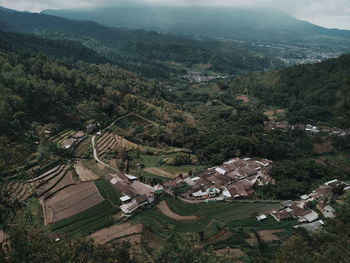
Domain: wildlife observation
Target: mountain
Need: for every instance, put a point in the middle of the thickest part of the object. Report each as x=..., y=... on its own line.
x=149, y=53
x=227, y=22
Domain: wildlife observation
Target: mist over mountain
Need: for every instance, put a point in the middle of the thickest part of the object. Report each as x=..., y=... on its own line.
x=226, y=22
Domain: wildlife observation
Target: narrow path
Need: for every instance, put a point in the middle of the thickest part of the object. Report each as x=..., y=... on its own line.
x=96, y=155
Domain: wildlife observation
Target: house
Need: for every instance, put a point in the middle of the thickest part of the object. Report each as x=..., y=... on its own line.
x=158, y=189
x=261, y=217
x=321, y=191
x=79, y=135
x=327, y=210
x=281, y=215
x=287, y=203
x=335, y=183
x=311, y=128
x=68, y=143
x=311, y=227
x=310, y=217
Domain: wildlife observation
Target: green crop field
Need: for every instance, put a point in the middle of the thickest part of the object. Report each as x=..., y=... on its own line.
x=100, y=209
x=107, y=191
x=222, y=211
x=268, y=224
x=161, y=224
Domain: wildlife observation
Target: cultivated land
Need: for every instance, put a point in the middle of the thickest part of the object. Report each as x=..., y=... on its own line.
x=114, y=232
x=84, y=173
x=70, y=201
x=163, y=207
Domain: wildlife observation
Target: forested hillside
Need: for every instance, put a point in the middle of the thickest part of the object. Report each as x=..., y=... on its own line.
x=311, y=93
x=148, y=53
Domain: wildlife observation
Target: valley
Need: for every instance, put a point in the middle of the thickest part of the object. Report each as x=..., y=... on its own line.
x=125, y=141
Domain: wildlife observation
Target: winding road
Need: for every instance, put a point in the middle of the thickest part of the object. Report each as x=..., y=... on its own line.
x=96, y=155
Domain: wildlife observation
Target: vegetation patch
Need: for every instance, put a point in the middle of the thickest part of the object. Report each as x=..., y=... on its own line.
x=108, y=191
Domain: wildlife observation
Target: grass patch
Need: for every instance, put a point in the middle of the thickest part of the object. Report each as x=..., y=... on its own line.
x=268, y=224
x=107, y=191
x=93, y=166
x=33, y=212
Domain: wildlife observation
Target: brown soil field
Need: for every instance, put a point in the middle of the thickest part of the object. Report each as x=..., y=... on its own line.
x=266, y=235
x=54, y=170
x=70, y=201
x=105, y=235
x=232, y=253
x=159, y=172
x=164, y=208
x=66, y=181
x=52, y=182
x=243, y=98
x=84, y=173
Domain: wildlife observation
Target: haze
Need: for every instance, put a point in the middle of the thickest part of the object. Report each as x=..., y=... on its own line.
x=326, y=13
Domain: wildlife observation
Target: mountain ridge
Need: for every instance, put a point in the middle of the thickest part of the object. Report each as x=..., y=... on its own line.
x=244, y=23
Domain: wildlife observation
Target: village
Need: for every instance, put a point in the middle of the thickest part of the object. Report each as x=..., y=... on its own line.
x=309, y=128
x=234, y=179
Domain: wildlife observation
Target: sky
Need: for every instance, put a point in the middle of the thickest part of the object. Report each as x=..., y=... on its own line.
x=327, y=13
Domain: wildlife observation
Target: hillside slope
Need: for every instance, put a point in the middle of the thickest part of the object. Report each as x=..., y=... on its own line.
x=148, y=53
x=311, y=93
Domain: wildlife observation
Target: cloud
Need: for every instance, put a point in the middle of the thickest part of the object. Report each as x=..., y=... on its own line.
x=329, y=13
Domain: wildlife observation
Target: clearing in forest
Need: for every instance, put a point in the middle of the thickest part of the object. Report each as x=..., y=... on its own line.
x=265, y=235
x=163, y=207
x=243, y=98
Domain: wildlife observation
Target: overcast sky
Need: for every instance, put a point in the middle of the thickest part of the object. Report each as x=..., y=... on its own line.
x=327, y=13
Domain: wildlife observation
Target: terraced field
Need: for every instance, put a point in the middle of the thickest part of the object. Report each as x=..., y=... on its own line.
x=134, y=125
x=110, y=141
x=60, y=137
x=20, y=190
x=84, y=149
x=114, y=232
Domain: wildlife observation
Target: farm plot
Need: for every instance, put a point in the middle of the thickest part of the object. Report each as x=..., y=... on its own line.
x=105, y=235
x=60, y=137
x=83, y=149
x=134, y=125
x=108, y=191
x=163, y=207
x=20, y=191
x=161, y=224
x=70, y=201
x=221, y=211
x=84, y=173
x=110, y=141
x=53, y=182
x=86, y=222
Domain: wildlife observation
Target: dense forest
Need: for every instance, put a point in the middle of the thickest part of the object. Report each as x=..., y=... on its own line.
x=311, y=93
